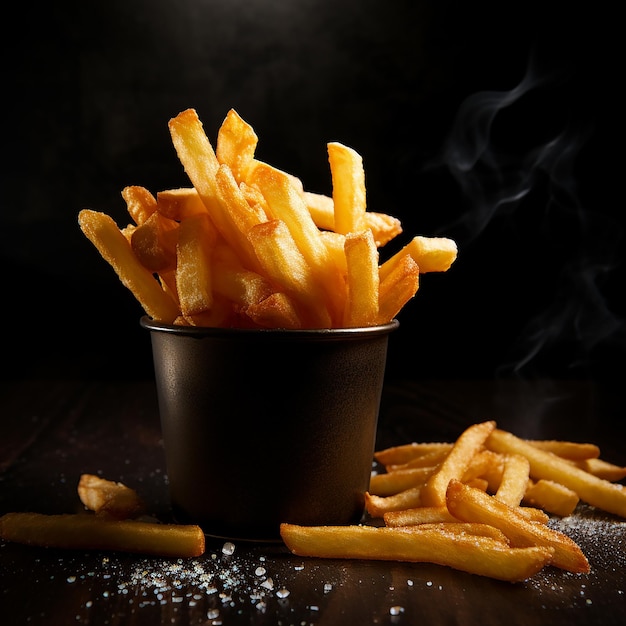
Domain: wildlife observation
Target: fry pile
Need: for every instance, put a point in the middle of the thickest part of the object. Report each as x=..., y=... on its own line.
x=247, y=246
x=480, y=505
x=111, y=524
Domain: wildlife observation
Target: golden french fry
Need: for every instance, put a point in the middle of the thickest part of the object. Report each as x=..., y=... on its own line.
x=92, y=532
x=154, y=243
x=242, y=214
x=456, y=462
x=109, y=498
x=362, y=279
x=285, y=203
x=193, y=267
x=598, y=492
x=425, y=543
x=230, y=279
x=432, y=254
x=236, y=145
x=177, y=204
x=140, y=203
x=391, y=483
x=397, y=288
x=377, y=506
x=429, y=459
x=398, y=455
x=197, y=156
x=567, y=449
x=348, y=179
x=473, y=505
x=275, y=311
x=335, y=244
x=418, y=515
x=488, y=465
x=114, y=248
x=551, y=497
x=602, y=469
x=284, y=264
x=384, y=227
x=514, y=482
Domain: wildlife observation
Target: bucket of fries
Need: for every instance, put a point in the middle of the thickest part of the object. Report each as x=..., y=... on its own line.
x=269, y=310
x=263, y=426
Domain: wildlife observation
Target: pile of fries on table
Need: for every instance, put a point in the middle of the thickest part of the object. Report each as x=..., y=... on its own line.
x=480, y=504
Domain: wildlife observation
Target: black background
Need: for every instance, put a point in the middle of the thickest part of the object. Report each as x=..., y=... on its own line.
x=498, y=124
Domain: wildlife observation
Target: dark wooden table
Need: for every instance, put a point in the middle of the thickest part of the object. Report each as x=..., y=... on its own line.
x=53, y=431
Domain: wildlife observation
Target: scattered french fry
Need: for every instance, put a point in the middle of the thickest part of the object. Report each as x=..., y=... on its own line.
x=472, y=505
x=552, y=497
x=455, y=464
x=92, y=532
x=605, y=495
x=428, y=543
x=109, y=498
x=489, y=495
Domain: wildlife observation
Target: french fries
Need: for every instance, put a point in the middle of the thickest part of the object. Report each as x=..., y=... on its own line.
x=488, y=487
x=110, y=525
x=90, y=532
x=425, y=544
x=109, y=498
x=317, y=255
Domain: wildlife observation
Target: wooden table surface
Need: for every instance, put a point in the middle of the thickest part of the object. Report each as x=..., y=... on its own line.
x=53, y=431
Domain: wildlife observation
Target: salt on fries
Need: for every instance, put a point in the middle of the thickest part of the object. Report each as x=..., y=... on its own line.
x=247, y=245
x=436, y=501
x=111, y=527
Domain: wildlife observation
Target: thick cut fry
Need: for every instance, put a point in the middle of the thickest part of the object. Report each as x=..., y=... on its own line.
x=454, y=465
x=432, y=254
x=140, y=203
x=473, y=505
x=322, y=209
x=114, y=248
x=397, y=455
x=567, y=449
x=419, y=515
x=91, y=532
x=605, y=495
x=427, y=543
x=397, y=288
x=284, y=264
x=362, y=279
x=377, y=506
x=275, y=311
x=242, y=214
x=391, y=483
x=230, y=279
x=177, y=204
x=551, y=497
x=154, y=243
x=285, y=203
x=429, y=459
x=514, y=481
x=193, y=268
x=602, y=469
x=236, y=145
x=348, y=178
x=197, y=156
x=109, y=498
